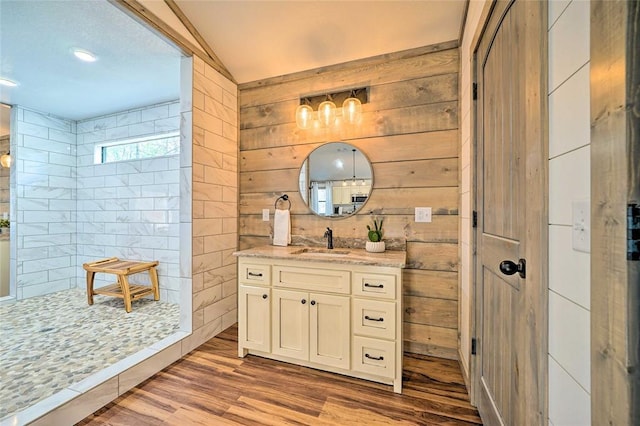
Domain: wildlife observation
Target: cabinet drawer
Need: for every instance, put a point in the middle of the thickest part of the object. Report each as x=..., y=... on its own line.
x=374, y=285
x=374, y=356
x=249, y=273
x=312, y=279
x=374, y=318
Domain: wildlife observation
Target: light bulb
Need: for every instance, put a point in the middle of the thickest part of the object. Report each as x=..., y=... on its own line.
x=327, y=113
x=351, y=110
x=6, y=160
x=304, y=116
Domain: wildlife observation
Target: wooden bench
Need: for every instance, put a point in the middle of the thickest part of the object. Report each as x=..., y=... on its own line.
x=122, y=289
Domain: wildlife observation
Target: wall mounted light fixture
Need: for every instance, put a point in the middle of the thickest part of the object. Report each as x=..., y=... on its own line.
x=327, y=112
x=6, y=160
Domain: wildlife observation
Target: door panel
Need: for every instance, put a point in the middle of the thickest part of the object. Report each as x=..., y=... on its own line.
x=510, y=369
x=254, y=309
x=329, y=330
x=290, y=324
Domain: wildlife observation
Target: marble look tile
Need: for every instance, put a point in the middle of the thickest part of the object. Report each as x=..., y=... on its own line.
x=155, y=113
x=149, y=367
x=128, y=118
x=117, y=133
x=144, y=128
x=167, y=124
x=83, y=405
x=46, y=120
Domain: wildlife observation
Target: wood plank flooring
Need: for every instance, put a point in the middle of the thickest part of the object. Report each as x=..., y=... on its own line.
x=212, y=386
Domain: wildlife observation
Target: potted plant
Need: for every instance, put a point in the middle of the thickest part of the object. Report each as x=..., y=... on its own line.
x=375, y=243
x=4, y=226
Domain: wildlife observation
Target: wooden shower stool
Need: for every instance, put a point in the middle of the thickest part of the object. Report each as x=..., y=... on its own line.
x=122, y=289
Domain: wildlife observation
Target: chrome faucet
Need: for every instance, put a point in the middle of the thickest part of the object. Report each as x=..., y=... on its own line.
x=329, y=236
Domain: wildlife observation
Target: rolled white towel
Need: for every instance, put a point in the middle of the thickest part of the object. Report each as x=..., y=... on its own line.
x=281, y=228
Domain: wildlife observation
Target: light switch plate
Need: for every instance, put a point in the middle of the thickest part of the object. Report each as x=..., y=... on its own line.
x=423, y=214
x=581, y=226
x=265, y=215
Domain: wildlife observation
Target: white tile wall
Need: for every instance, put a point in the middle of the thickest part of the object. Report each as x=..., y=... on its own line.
x=129, y=209
x=43, y=242
x=71, y=210
x=569, y=180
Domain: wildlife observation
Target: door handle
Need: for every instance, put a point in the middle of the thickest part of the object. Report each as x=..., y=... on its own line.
x=508, y=267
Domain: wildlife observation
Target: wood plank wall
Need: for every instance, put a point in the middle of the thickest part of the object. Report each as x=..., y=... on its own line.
x=409, y=131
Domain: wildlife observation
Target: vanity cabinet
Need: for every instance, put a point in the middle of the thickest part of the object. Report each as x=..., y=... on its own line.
x=311, y=327
x=331, y=314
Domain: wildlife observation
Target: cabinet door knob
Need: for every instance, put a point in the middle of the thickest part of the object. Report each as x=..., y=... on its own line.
x=313, y=302
x=303, y=301
x=264, y=296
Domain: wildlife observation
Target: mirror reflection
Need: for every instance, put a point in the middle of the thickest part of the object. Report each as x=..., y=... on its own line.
x=336, y=180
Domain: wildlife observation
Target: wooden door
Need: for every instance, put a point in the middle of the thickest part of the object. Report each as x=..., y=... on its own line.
x=290, y=323
x=510, y=369
x=329, y=330
x=253, y=309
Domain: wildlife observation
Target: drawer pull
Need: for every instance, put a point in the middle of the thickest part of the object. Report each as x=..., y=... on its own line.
x=374, y=285
x=303, y=301
x=380, y=358
x=264, y=296
x=313, y=302
x=367, y=317
x=253, y=274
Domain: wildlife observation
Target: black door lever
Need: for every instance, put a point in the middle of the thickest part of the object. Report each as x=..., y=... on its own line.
x=508, y=267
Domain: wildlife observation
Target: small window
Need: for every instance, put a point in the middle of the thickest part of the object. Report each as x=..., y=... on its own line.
x=138, y=148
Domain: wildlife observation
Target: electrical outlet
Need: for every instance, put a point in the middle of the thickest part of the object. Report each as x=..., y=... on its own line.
x=265, y=215
x=423, y=214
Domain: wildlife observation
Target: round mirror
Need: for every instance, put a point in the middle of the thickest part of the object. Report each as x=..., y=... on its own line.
x=336, y=180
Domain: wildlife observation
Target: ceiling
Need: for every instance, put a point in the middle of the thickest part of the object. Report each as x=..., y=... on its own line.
x=261, y=39
x=253, y=39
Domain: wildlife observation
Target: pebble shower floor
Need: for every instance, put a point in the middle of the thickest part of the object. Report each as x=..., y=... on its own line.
x=50, y=342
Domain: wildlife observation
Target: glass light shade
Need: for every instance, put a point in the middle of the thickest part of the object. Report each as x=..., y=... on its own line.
x=327, y=113
x=304, y=117
x=6, y=160
x=351, y=110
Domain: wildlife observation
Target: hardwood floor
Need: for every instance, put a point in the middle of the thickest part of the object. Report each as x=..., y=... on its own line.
x=212, y=386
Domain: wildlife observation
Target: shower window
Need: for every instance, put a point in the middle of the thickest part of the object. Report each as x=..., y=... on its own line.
x=138, y=148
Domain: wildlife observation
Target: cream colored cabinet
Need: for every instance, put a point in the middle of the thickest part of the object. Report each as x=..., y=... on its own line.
x=290, y=323
x=311, y=326
x=341, y=194
x=340, y=317
x=254, y=310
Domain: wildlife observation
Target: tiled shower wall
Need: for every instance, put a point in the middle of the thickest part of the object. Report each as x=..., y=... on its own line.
x=130, y=209
x=69, y=210
x=43, y=210
x=4, y=177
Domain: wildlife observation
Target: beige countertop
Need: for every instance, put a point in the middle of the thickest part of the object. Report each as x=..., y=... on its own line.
x=392, y=258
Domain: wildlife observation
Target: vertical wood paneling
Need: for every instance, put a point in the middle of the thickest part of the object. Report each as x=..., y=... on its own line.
x=409, y=132
x=615, y=183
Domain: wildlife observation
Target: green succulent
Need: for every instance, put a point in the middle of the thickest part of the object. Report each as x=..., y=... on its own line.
x=375, y=234
x=4, y=223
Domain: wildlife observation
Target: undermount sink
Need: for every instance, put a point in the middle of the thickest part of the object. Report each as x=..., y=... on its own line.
x=322, y=252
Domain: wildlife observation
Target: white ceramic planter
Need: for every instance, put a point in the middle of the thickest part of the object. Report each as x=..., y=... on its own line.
x=377, y=247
